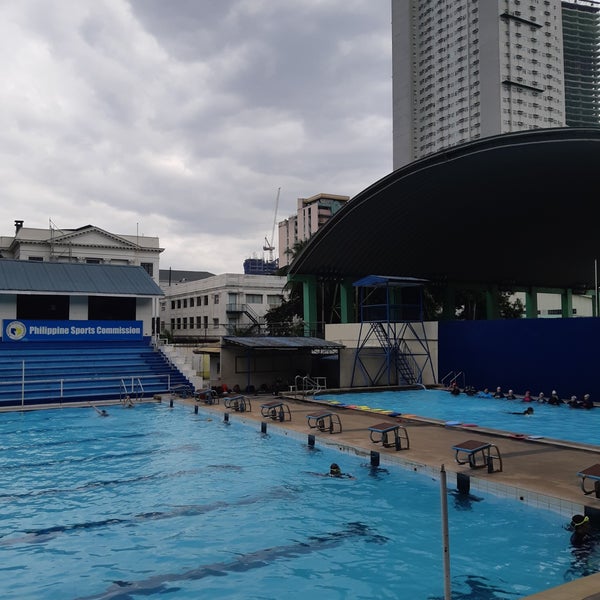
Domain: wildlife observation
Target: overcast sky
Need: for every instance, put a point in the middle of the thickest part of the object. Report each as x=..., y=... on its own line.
x=182, y=118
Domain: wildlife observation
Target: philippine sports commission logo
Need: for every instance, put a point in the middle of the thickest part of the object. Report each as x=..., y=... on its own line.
x=16, y=330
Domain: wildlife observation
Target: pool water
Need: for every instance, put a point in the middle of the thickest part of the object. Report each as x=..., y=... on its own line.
x=557, y=422
x=160, y=502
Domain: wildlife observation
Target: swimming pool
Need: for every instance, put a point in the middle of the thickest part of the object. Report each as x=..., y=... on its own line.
x=558, y=422
x=161, y=502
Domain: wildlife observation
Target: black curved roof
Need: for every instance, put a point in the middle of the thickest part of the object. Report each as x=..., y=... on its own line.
x=516, y=210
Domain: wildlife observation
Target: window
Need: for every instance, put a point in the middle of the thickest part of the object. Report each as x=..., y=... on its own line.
x=185, y=303
x=184, y=322
x=198, y=322
x=216, y=298
x=254, y=298
x=93, y=261
x=274, y=299
x=149, y=268
x=205, y=322
x=36, y=258
x=179, y=303
x=172, y=304
x=192, y=302
x=205, y=300
x=216, y=323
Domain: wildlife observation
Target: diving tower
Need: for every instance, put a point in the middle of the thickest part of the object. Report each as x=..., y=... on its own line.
x=392, y=347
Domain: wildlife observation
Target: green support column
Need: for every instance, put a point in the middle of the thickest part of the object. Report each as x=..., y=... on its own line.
x=491, y=303
x=566, y=303
x=449, y=308
x=309, y=297
x=346, y=301
x=531, y=303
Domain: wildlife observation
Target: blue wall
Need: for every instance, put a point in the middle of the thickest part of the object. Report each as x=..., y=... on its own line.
x=539, y=355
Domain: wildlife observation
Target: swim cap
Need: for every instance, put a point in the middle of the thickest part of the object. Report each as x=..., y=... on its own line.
x=578, y=520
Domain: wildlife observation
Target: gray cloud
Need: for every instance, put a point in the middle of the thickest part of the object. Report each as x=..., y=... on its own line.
x=181, y=119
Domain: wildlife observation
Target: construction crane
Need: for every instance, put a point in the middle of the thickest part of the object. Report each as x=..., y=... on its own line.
x=269, y=247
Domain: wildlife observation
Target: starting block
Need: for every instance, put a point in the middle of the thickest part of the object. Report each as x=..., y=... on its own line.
x=592, y=473
x=389, y=435
x=238, y=403
x=478, y=454
x=325, y=421
x=276, y=410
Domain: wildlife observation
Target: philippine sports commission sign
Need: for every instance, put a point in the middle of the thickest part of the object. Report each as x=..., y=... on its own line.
x=60, y=331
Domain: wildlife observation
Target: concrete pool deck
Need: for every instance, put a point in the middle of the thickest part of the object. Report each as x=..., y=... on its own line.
x=540, y=472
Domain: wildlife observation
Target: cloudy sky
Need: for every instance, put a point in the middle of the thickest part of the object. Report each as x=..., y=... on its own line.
x=182, y=118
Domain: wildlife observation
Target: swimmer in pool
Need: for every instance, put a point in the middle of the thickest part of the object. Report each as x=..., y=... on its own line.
x=101, y=412
x=528, y=411
x=335, y=471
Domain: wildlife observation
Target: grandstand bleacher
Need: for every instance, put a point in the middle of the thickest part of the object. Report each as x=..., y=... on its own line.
x=50, y=373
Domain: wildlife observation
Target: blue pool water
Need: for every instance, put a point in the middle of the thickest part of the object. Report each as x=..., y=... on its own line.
x=160, y=502
x=558, y=422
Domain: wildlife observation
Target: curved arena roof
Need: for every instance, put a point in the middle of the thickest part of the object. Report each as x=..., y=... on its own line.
x=516, y=210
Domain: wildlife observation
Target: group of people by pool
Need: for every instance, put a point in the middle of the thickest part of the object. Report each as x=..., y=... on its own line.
x=554, y=399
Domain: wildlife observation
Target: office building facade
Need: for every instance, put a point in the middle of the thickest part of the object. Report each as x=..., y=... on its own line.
x=467, y=69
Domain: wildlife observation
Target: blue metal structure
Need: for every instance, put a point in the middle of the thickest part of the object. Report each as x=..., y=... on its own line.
x=392, y=347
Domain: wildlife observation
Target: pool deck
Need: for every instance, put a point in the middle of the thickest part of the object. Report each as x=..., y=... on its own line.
x=541, y=472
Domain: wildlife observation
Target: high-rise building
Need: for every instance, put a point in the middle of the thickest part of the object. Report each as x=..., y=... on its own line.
x=581, y=48
x=467, y=69
x=312, y=213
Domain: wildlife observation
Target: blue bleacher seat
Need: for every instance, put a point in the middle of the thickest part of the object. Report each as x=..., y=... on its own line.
x=34, y=373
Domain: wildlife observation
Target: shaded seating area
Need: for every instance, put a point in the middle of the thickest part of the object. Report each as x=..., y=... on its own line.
x=592, y=473
x=38, y=373
x=390, y=435
x=276, y=410
x=478, y=454
x=325, y=421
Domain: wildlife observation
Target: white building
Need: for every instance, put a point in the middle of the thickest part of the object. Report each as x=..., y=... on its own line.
x=87, y=244
x=227, y=304
x=466, y=69
x=312, y=213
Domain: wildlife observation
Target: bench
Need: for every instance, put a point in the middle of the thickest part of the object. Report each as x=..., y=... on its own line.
x=390, y=435
x=478, y=454
x=276, y=410
x=592, y=473
x=325, y=421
